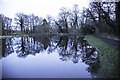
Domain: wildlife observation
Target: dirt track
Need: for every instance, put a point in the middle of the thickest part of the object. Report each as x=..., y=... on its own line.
x=110, y=41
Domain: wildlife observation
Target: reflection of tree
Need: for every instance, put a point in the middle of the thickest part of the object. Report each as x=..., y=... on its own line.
x=30, y=45
x=45, y=41
x=68, y=49
x=7, y=47
x=71, y=48
x=63, y=45
x=74, y=48
x=26, y=46
x=91, y=58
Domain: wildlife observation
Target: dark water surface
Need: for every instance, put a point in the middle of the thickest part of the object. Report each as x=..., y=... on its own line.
x=48, y=57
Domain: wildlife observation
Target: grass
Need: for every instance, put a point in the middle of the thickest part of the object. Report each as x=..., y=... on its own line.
x=108, y=57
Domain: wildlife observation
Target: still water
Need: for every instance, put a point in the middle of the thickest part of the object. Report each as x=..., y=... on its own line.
x=48, y=57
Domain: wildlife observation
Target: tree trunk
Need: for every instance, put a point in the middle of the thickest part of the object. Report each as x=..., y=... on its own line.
x=99, y=13
x=118, y=17
x=0, y=26
x=96, y=23
x=66, y=25
x=60, y=28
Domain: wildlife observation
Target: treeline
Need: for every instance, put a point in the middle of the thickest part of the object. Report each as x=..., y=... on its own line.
x=104, y=17
x=27, y=22
x=6, y=25
x=100, y=17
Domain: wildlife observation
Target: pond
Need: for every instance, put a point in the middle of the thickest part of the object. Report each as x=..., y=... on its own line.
x=49, y=57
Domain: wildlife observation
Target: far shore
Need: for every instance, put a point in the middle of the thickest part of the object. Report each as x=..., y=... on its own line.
x=34, y=34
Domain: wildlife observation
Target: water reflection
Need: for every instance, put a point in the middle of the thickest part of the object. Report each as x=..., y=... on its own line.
x=7, y=47
x=69, y=48
x=0, y=59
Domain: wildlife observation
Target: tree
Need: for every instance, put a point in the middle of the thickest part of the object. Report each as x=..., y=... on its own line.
x=50, y=19
x=100, y=15
x=20, y=20
x=6, y=24
x=63, y=18
x=75, y=15
x=59, y=25
x=117, y=11
x=27, y=23
x=34, y=21
x=1, y=26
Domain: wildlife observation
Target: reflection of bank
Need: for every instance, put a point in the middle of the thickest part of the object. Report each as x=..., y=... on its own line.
x=0, y=58
x=0, y=48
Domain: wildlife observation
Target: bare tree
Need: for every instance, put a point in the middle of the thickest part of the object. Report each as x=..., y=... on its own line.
x=100, y=15
x=63, y=17
x=75, y=14
x=6, y=24
x=117, y=11
x=19, y=19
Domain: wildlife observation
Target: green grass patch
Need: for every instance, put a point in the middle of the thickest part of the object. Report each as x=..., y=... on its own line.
x=101, y=46
x=108, y=57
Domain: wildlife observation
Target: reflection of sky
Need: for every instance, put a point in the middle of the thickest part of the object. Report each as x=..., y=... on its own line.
x=0, y=58
x=42, y=66
x=0, y=68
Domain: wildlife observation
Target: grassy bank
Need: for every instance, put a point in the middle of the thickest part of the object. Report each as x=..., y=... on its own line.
x=108, y=57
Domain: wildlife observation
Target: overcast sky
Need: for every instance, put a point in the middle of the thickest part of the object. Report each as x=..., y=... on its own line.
x=39, y=7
